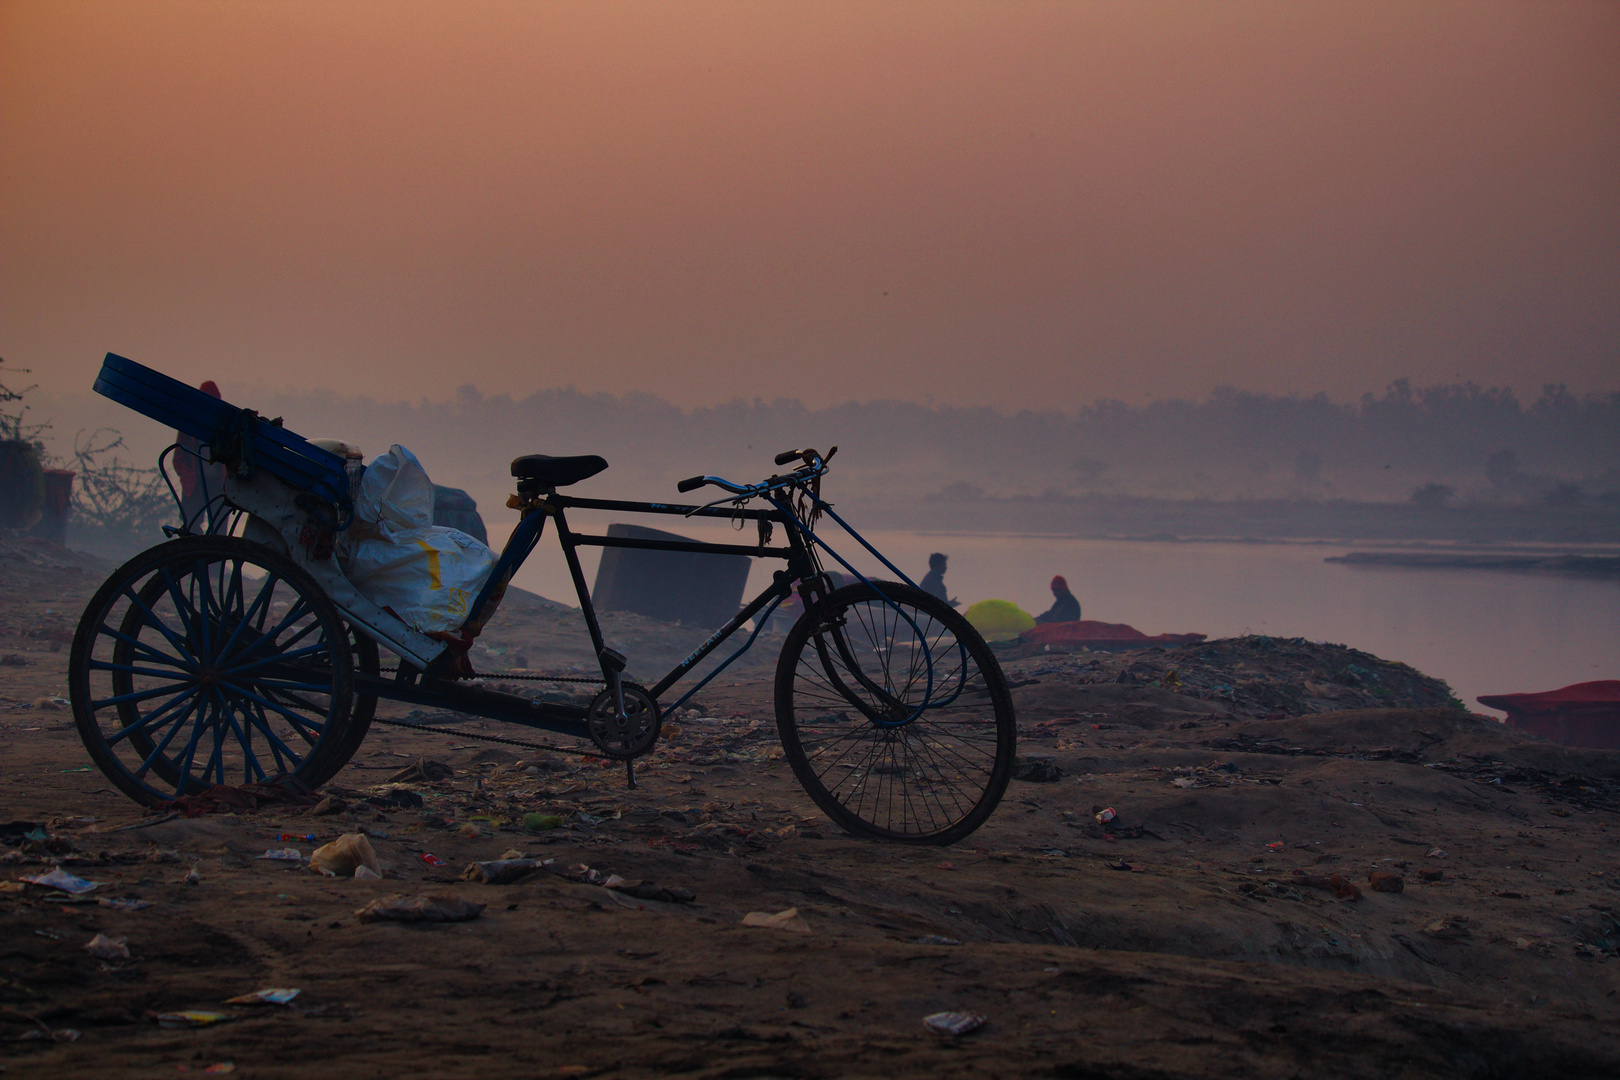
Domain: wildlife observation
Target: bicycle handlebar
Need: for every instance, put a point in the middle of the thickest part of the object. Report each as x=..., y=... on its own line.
x=814, y=466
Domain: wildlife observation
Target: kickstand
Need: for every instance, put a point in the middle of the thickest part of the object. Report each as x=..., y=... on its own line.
x=630, y=771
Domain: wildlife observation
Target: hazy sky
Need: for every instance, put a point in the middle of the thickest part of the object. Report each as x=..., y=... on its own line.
x=1016, y=204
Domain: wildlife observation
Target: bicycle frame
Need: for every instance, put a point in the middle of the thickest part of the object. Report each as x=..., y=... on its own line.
x=801, y=572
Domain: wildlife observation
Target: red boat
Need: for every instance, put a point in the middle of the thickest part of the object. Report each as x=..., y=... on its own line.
x=1585, y=714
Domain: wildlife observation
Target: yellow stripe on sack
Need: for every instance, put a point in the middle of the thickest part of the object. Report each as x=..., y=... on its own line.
x=433, y=563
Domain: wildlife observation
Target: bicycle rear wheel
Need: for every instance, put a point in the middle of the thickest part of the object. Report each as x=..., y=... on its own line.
x=211, y=660
x=894, y=715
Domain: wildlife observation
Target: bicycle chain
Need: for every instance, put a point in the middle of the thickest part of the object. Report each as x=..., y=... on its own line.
x=498, y=738
x=490, y=738
x=514, y=678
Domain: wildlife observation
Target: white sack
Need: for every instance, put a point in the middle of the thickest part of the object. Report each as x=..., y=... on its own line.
x=426, y=574
x=395, y=492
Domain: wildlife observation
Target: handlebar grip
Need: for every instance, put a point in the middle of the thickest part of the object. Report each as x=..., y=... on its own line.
x=691, y=483
x=786, y=456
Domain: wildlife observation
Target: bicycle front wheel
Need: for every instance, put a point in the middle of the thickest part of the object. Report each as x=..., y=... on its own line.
x=894, y=715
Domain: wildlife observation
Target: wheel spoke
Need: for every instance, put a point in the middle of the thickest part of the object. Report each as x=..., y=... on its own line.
x=281, y=751
x=302, y=723
x=270, y=661
x=261, y=600
x=138, y=695
x=158, y=624
x=146, y=652
x=150, y=720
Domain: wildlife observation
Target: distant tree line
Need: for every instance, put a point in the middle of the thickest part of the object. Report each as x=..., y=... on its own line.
x=1430, y=442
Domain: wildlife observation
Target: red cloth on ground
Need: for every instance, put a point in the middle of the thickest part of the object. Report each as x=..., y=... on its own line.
x=1101, y=635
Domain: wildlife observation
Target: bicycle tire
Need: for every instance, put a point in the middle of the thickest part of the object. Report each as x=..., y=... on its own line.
x=216, y=644
x=365, y=658
x=894, y=715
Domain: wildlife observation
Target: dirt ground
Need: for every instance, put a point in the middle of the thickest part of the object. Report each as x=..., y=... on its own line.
x=1190, y=936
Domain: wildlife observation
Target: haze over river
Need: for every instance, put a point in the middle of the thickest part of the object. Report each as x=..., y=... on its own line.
x=1484, y=632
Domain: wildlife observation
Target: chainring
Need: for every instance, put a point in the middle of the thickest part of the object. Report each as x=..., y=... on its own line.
x=627, y=737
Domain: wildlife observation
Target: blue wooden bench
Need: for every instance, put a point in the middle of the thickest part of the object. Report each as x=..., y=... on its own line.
x=240, y=438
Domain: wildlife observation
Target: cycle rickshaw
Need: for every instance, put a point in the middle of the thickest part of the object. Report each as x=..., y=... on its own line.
x=239, y=651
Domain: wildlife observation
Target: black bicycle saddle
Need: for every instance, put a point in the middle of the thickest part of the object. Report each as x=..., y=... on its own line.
x=555, y=472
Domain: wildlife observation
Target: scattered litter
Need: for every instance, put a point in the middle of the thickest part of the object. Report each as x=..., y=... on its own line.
x=366, y=873
x=1384, y=881
x=1450, y=928
x=61, y=879
x=1340, y=886
x=789, y=920
x=432, y=859
x=947, y=865
x=937, y=939
x=402, y=798
x=308, y=838
x=289, y=854
x=331, y=804
x=953, y=1023
x=1039, y=771
x=422, y=771
x=400, y=908
x=500, y=871
x=124, y=903
x=345, y=857
x=192, y=877
x=284, y=790
x=103, y=947
x=1435, y=853
x=648, y=890
x=1105, y=814
x=272, y=996
x=542, y=822
x=192, y=1018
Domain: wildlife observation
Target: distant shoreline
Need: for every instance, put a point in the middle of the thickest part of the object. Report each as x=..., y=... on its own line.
x=1584, y=565
x=1342, y=521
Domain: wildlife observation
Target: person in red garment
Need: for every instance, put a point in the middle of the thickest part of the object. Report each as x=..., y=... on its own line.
x=200, y=482
x=1065, y=608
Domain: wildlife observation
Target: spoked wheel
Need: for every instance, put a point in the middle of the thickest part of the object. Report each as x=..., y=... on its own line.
x=211, y=660
x=364, y=655
x=895, y=715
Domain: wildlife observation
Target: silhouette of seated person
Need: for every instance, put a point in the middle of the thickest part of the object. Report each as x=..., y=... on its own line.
x=933, y=582
x=1065, y=608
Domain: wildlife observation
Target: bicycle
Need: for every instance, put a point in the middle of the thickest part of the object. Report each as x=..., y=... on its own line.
x=239, y=649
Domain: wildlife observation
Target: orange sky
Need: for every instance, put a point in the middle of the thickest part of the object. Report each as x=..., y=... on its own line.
x=1015, y=204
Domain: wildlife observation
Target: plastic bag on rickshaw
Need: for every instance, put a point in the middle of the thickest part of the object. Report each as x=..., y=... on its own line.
x=426, y=574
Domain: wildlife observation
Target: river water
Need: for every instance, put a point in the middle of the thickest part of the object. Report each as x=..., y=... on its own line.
x=1484, y=632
